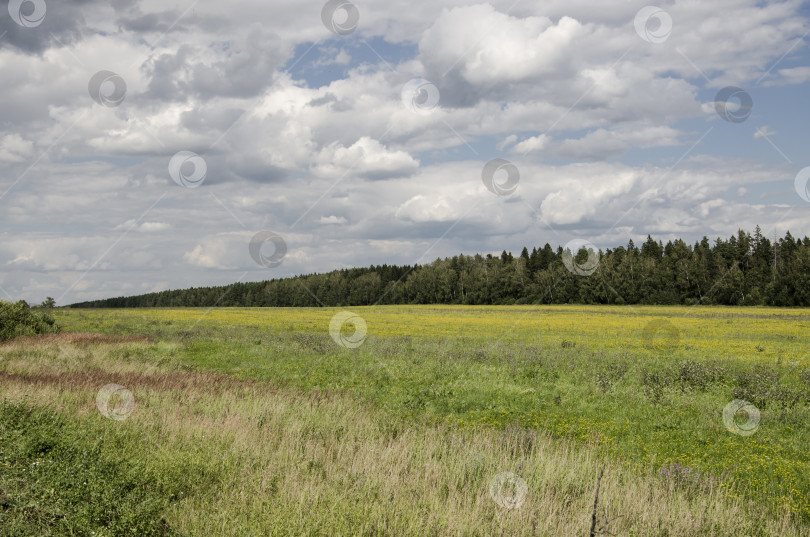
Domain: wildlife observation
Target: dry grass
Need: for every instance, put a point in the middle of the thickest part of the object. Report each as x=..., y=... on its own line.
x=292, y=463
x=71, y=338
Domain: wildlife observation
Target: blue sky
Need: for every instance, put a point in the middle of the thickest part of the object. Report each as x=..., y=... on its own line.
x=280, y=118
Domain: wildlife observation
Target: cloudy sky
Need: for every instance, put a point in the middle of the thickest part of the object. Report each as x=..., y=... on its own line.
x=144, y=144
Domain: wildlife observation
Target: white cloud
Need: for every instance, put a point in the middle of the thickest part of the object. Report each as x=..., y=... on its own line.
x=597, y=120
x=332, y=220
x=210, y=256
x=421, y=208
x=366, y=157
x=13, y=148
x=706, y=207
x=154, y=226
x=789, y=76
x=495, y=47
x=343, y=57
x=506, y=142
x=764, y=132
x=535, y=143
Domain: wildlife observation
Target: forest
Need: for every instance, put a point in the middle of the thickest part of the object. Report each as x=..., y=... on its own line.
x=745, y=269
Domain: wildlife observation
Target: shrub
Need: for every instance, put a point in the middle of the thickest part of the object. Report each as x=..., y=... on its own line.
x=761, y=387
x=654, y=383
x=613, y=372
x=697, y=375
x=805, y=376
x=17, y=319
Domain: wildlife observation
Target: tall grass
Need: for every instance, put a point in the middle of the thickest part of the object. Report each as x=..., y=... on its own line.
x=647, y=384
x=230, y=456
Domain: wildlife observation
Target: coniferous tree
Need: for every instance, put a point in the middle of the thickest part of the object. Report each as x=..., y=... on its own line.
x=745, y=269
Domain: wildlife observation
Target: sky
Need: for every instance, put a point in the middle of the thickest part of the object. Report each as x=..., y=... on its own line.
x=152, y=145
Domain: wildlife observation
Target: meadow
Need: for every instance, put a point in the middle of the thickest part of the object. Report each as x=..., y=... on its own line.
x=258, y=421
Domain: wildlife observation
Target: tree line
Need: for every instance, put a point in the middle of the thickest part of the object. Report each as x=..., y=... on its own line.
x=746, y=269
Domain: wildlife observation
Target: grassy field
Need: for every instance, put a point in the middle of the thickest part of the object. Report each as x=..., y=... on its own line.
x=259, y=422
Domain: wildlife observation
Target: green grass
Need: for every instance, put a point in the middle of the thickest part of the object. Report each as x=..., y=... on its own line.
x=68, y=477
x=564, y=374
x=550, y=383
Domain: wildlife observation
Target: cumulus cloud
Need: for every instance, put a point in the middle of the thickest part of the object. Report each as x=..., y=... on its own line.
x=202, y=258
x=305, y=133
x=366, y=157
x=789, y=76
x=13, y=148
x=488, y=50
x=535, y=143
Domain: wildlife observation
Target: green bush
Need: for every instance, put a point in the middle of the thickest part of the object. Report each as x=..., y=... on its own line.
x=18, y=319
